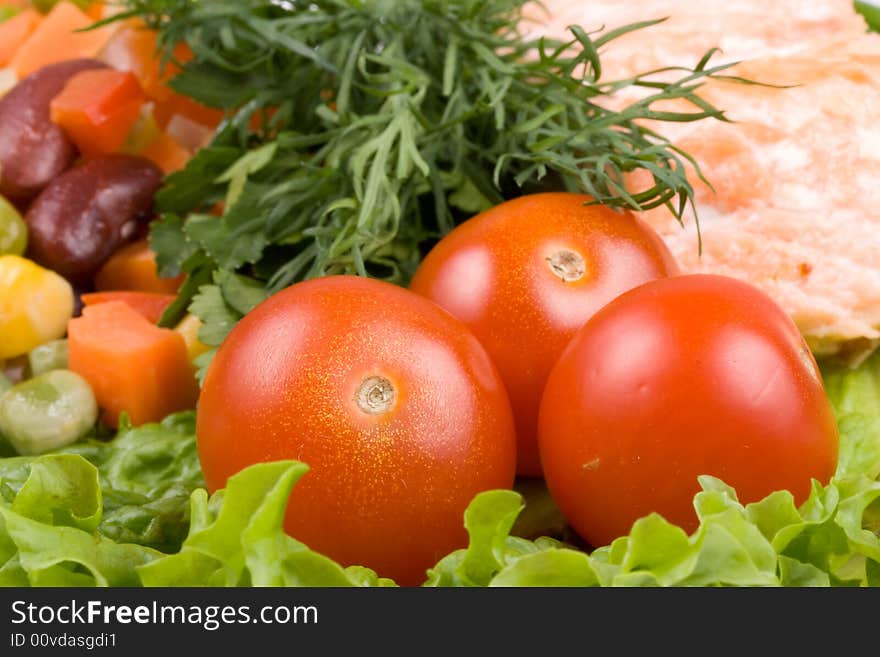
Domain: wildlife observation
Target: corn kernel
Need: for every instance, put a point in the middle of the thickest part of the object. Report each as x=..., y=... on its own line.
x=35, y=305
x=189, y=328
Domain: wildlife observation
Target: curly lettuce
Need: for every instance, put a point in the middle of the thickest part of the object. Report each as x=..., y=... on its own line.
x=133, y=512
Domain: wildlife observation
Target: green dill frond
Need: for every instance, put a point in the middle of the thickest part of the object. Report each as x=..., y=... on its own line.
x=389, y=121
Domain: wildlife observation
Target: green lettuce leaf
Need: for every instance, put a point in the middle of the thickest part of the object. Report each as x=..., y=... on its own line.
x=87, y=514
x=769, y=543
x=237, y=538
x=48, y=533
x=52, y=533
x=855, y=396
x=491, y=549
x=147, y=475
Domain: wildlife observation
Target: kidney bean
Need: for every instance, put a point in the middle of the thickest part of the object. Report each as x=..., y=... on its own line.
x=33, y=150
x=84, y=215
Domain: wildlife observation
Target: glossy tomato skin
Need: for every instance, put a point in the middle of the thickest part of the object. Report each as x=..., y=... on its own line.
x=681, y=377
x=494, y=273
x=388, y=484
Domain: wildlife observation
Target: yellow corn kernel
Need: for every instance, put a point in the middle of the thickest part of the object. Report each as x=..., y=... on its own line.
x=35, y=305
x=189, y=328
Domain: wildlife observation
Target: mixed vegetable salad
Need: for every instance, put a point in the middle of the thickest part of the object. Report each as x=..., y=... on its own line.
x=351, y=294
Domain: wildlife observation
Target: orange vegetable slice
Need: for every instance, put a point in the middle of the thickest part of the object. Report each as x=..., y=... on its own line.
x=133, y=267
x=15, y=31
x=134, y=48
x=132, y=365
x=55, y=39
x=98, y=108
x=150, y=305
x=166, y=153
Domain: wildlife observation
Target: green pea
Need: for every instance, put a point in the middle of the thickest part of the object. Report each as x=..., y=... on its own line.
x=49, y=356
x=13, y=231
x=47, y=412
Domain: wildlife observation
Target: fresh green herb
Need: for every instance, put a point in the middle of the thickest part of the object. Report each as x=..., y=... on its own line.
x=7, y=12
x=358, y=132
x=870, y=9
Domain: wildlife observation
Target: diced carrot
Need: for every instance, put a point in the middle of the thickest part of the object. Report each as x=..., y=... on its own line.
x=15, y=31
x=149, y=304
x=132, y=365
x=96, y=10
x=55, y=39
x=182, y=106
x=134, y=48
x=98, y=108
x=100, y=10
x=166, y=153
x=133, y=267
x=260, y=120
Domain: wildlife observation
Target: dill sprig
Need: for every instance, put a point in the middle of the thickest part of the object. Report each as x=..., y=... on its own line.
x=358, y=131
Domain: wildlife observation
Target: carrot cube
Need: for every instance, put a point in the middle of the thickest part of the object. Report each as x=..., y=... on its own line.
x=15, y=31
x=149, y=304
x=56, y=39
x=132, y=365
x=133, y=267
x=166, y=153
x=98, y=108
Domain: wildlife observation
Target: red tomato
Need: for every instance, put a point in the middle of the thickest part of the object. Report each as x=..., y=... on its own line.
x=526, y=274
x=678, y=378
x=392, y=403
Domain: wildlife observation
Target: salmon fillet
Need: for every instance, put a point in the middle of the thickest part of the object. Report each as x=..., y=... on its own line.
x=742, y=29
x=796, y=202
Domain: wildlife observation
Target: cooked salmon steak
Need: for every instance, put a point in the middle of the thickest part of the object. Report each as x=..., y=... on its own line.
x=796, y=175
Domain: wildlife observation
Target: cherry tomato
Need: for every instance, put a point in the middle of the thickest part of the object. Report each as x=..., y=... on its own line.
x=682, y=377
x=392, y=403
x=526, y=274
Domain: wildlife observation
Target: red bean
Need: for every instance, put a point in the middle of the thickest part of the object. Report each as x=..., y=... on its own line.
x=84, y=215
x=33, y=150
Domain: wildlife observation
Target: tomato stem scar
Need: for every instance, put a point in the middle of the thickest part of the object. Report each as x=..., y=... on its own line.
x=376, y=395
x=567, y=265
